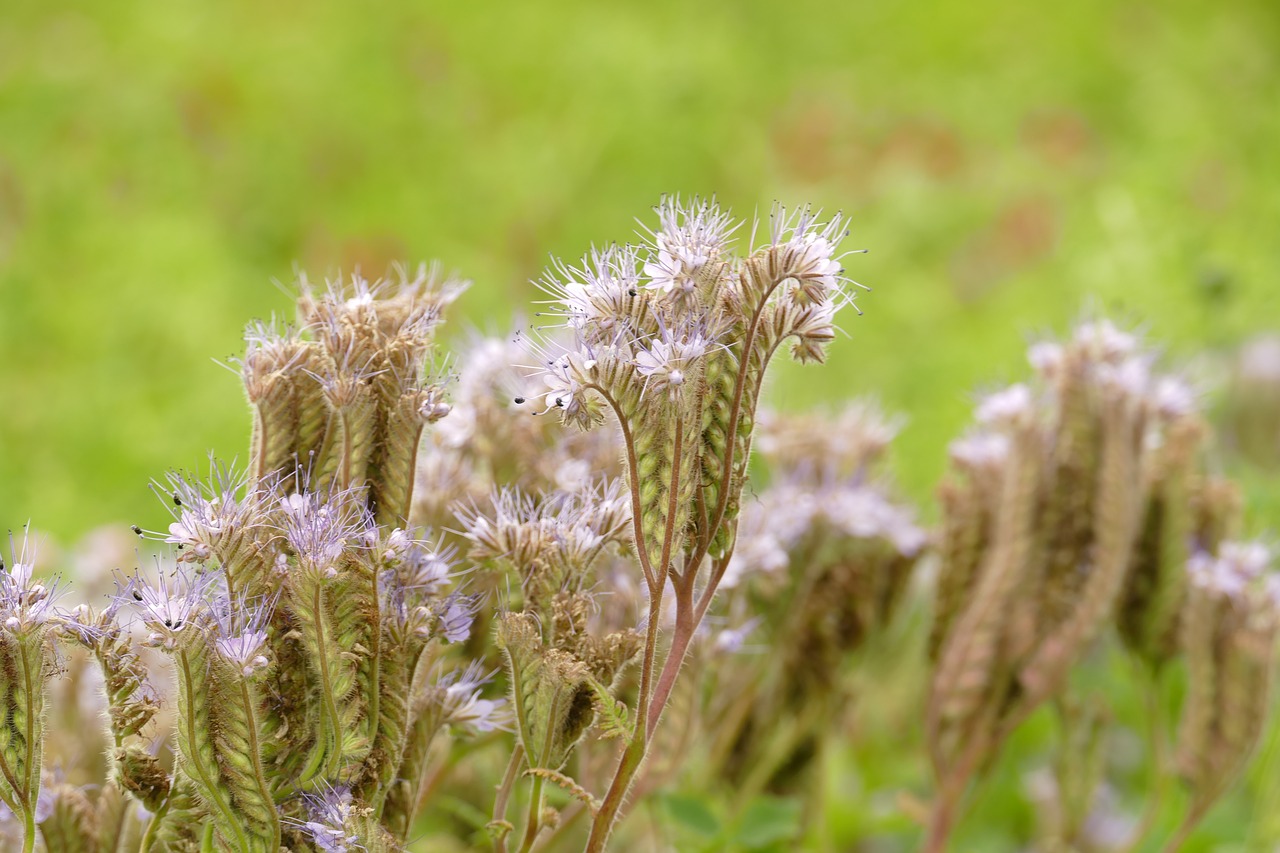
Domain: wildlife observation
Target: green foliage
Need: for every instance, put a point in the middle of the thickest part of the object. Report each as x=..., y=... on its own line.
x=764, y=824
x=1006, y=165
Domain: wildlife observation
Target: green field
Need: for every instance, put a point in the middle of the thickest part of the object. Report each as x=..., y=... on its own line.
x=1010, y=166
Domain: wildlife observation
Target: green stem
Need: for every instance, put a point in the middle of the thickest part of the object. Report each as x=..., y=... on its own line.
x=329, y=707
x=534, y=823
x=29, y=830
x=255, y=755
x=148, y=837
x=211, y=786
x=504, y=795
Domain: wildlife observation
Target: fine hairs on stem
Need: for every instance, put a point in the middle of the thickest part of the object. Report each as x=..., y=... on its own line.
x=672, y=338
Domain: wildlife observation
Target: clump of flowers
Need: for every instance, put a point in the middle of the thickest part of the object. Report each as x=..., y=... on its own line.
x=820, y=572
x=1078, y=501
x=300, y=618
x=671, y=340
x=372, y=611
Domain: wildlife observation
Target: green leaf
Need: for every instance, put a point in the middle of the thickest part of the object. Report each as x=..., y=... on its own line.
x=692, y=813
x=768, y=820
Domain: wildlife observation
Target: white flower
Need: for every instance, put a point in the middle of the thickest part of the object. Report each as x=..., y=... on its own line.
x=665, y=363
x=245, y=651
x=458, y=694
x=689, y=237
x=806, y=253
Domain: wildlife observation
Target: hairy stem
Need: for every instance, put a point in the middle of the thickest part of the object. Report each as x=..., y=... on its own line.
x=504, y=796
x=255, y=755
x=534, y=823
x=633, y=755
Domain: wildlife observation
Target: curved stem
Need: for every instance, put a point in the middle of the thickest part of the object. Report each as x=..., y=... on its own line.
x=148, y=837
x=633, y=755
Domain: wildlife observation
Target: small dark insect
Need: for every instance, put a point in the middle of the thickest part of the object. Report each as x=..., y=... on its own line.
x=519, y=401
x=137, y=596
x=632, y=292
x=168, y=623
x=136, y=529
x=177, y=501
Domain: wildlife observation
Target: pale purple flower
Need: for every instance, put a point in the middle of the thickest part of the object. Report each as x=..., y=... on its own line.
x=458, y=694
x=25, y=603
x=206, y=512
x=1046, y=358
x=170, y=608
x=1172, y=397
x=1008, y=406
x=596, y=298
x=1236, y=567
x=319, y=530
x=242, y=633
x=666, y=361
x=328, y=814
x=456, y=615
x=731, y=640
x=688, y=238
x=980, y=450
x=806, y=251
x=1105, y=341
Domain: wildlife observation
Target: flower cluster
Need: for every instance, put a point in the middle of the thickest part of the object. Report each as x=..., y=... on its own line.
x=1078, y=499
x=819, y=572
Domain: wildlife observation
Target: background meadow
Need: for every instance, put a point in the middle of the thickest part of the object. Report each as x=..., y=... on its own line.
x=1009, y=167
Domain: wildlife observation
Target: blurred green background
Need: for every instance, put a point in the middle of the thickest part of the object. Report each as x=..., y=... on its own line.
x=1008, y=164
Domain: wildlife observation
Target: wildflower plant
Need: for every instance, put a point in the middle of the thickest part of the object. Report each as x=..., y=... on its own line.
x=818, y=575
x=672, y=339
x=326, y=626
x=1079, y=502
x=29, y=620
